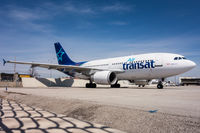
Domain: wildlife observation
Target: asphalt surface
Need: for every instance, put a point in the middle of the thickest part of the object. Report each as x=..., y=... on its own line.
x=172, y=100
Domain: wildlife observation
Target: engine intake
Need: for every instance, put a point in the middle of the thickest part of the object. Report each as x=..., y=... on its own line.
x=104, y=77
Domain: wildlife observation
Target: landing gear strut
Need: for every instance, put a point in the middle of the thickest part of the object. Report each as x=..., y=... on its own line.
x=160, y=85
x=90, y=85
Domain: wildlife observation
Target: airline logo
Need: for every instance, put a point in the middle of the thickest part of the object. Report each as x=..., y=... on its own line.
x=60, y=54
x=130, y=64
x=131, y=59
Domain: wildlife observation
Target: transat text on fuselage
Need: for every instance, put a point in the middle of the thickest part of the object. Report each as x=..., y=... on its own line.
x=138, y=65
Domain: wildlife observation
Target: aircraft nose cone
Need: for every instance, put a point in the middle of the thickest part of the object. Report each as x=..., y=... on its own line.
x=191, y=64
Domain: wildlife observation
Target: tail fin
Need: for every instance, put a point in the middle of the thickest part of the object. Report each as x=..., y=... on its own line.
x=63, y=58
x=4, y=62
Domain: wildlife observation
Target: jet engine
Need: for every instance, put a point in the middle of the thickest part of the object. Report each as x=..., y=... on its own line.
x=104, y=77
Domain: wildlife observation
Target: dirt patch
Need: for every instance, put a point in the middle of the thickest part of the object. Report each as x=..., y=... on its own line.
x=2, y=97
x=15, y=93
x=125, y=119
x=84, y=113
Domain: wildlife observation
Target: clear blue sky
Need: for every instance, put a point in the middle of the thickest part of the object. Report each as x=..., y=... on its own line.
x=93, y=29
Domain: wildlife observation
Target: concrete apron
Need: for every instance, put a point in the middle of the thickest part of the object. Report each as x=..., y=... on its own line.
x=17, y=117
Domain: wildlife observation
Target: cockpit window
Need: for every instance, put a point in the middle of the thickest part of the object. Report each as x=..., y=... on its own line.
x=179, y=58
x=176, y=58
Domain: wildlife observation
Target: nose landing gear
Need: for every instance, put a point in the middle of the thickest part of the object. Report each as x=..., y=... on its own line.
x=160, y=84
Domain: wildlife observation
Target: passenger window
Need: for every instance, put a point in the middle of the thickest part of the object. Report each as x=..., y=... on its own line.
x=184, y=58
x=180, y=58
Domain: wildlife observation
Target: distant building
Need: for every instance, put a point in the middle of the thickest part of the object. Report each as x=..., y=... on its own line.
x=189, y=81
x=12, y=79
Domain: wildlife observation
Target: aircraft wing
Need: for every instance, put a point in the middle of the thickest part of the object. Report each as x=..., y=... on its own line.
x=59, y=67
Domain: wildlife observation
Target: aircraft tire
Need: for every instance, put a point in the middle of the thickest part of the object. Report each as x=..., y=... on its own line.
x=160, y=86
x=115, y=86
x=93, y=85
x=90, y=85
x=87, y=85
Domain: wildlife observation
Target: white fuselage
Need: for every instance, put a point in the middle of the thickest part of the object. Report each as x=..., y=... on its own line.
x=144, y=66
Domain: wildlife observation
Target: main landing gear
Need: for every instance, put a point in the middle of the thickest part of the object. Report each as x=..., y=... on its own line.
x=141, y=85
x=90, y=85
x=115, y=86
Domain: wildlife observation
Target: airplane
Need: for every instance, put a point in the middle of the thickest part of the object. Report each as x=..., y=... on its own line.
x=141, y=68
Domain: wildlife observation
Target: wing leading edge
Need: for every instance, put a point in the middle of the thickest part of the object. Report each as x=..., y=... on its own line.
x=49, y=66
x=59, y=67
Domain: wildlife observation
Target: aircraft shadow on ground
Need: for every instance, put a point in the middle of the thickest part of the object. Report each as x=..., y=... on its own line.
x=23, y=118
x=58, y=82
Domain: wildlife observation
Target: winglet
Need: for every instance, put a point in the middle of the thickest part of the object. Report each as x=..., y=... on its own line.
x=4, y=62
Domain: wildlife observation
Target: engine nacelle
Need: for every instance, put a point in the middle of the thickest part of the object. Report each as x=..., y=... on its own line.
x=104, y=77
